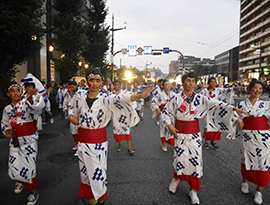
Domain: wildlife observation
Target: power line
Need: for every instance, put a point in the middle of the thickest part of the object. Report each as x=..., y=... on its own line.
x=219, y=42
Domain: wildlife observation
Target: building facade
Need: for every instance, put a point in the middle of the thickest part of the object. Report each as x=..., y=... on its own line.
x=172, y=66
x=254, y=46
x=226, y=64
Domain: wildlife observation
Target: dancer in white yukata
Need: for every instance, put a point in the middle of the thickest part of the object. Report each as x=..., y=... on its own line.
x=82, y=85
x=157, y=105
x=61, y=93
x=157, y=90
x=93, y=110
x=73, y=88
x=19, y=125
x=255, y=135
x=181, y=116
x=121, y=133
x=222, y=94
x=139, y=104
x=47, y=108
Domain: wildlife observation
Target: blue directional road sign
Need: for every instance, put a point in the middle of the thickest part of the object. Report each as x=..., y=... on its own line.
x=166, y=50
x=132, y=50
x=147, y=50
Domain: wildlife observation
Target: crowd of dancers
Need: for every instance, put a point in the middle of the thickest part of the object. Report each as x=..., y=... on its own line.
x=92, y=105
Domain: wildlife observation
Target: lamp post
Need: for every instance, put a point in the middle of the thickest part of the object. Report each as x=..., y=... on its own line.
x=112, y=54
x=147, y=70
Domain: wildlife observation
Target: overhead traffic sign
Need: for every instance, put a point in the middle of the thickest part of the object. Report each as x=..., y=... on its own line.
x=147, y=50
x=166, y=50
x=124, y=51
x=132, y=50
x=140, y=51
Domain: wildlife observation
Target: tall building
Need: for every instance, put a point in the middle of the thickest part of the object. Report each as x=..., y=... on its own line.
x=226, y=64
x=254, y=47
x=189, y=61
x=172, y=66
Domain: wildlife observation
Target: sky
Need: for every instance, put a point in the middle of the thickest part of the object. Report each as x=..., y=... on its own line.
x=200, y=28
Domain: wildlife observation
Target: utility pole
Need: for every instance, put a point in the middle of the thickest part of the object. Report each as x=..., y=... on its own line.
x=112, y=54
x=48, y=41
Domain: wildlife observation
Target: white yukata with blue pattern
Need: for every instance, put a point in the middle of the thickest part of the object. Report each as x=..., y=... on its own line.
x=222, y=94
x=159, y=99
x=255, y=150
x=188, y=147
x=93, y=157
x=22, y=159
x=69, y=96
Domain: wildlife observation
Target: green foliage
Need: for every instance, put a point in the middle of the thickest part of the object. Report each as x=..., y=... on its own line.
x=201, y=70
x=19, y=21
x=170, y=76
x=67, y=67
x=97, y=33
x=67, y=25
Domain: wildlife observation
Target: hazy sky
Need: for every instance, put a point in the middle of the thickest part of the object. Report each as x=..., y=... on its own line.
x=200, y=28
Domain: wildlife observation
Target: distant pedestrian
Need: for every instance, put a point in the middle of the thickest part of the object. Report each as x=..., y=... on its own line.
x=82, y=85
x=61, y=93
x=214, y=93
x=47, y=108
x=73, y=88
x=157, y=90
x=157, y=105
x=139, y=104
x=121, y=131
x=18, y=124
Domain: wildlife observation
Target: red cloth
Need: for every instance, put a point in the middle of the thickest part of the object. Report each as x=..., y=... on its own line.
x=161, y=107
x=211, y=93
x=255, y=123
x=260, y=178
x=185, y=104
x=119, y=138
x=86, y=192
x=92, y=136
x=187, y=127
x=194, y=182
x=31, y=186
x=25, y=129
x=212, y=136
x=170, y=141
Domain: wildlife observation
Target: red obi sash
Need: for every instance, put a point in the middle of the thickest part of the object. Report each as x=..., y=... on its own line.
x=255, y=123
x=92, y=136
x=161, y=107
x=25, y=129
x=187, y=127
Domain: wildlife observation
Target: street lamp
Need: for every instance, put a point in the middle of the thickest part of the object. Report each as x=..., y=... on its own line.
x=113, y=30
x=51, y=48
x=146, y=72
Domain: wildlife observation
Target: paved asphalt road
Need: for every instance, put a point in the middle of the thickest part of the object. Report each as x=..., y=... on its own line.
x=132, y=180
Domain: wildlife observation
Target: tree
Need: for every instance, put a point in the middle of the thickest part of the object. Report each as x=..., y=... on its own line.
x=201, y=70
x=97, y=33
x=20, y=34
x=67, y=26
